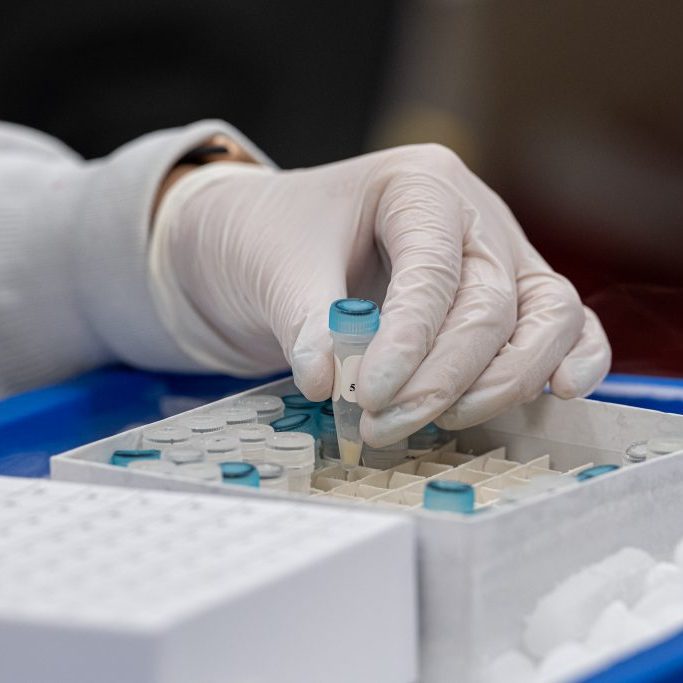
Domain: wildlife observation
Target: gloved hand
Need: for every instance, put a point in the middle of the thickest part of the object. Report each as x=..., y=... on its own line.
x=246, y=260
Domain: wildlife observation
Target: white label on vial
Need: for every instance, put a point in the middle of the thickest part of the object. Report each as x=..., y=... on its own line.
x=349, y=378
x=336, y=388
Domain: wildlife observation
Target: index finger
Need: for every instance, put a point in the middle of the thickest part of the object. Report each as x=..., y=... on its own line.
x=417, y=225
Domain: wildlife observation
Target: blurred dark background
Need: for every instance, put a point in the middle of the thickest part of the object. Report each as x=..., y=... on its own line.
x=571, y=109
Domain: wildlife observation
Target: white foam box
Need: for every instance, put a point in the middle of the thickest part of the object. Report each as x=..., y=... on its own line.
x=479, y=575
x=106, y=585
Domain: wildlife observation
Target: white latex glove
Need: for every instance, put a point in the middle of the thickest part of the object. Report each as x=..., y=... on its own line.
x=246, y=260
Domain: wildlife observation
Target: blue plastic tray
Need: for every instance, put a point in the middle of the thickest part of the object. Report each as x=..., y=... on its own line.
x=38, y=424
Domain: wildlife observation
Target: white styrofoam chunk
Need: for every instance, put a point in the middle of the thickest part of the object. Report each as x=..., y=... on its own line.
x=618, y=629
x=663, y=572
x=512, y=666
x=567, y=662
x=567, y=612
x=678, y=553
x=666, y=620
x=114, y=585
x=665, y=595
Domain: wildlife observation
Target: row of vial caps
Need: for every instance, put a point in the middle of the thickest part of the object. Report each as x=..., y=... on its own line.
x=259, y=440
x=277, y=443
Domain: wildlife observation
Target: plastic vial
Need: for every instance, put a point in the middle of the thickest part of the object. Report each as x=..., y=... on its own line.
x=635, y=453
x=204, y=425
x=297, y=404
x=353, y=323
x=329, y=447
x=386, y=457
x=205, y=471
x=165, y=436
x=426, y=439
x=154, y=466
x=268, y=408
x=296, y=453
x=451, y=496
x=273, y=476
x=125, y=458
x=240, y=473
x=222, y=448
x=296, y=423
x=253, y=441
x=183, y=455
x=664, y=445
x=596, y=471
x=236, y=416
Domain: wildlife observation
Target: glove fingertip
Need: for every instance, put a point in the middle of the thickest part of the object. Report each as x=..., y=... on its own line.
x=314, y=376
x=576, y=378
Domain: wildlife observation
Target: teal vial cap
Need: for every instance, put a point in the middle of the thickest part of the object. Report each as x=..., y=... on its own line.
x=241, y=473
x=595, y=471
x=354, y=316
x=448, y=495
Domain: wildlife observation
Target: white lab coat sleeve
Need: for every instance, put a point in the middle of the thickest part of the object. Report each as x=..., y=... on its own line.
x=74, y=289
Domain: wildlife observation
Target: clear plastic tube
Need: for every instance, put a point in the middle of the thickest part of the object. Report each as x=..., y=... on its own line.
x=268, y=408
x=165, y=436
x=635, y=453
x=200, y=470
x=236, y=416
x=155, y=466
x=296, y=453
x=222, y=448
x=183, y=455
x=253, y=441
x=353, y=323
x=664, y=445
x=204, y=425
x=273, y=476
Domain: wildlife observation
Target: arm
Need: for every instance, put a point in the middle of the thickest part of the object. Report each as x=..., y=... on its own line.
x=73, y=254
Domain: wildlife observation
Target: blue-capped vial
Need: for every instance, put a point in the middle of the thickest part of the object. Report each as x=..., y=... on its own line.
x=426, y=439
x=123, y=458
x=240, y=473
x=298, y=404
x=450, y=496
x=329, y=448
x=353, y=323
x=183, y=455
x=386, y=457
x=596, y=471
x=296, y=423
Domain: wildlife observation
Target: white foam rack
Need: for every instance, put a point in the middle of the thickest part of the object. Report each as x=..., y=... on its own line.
x=105, y=585
x=478, y=575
